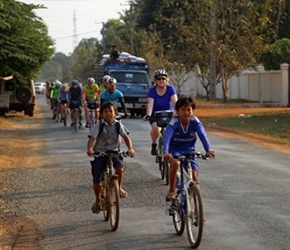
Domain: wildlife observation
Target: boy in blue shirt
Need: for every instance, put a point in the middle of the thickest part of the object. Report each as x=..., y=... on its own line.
x=180, y=138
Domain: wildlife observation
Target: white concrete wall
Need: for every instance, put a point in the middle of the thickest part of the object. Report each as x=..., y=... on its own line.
x=260, y=86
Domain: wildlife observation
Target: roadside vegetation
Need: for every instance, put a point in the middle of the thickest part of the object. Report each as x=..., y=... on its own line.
x=273, y=126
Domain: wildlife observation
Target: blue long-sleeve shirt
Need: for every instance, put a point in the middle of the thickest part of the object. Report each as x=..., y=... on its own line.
x=178, y=141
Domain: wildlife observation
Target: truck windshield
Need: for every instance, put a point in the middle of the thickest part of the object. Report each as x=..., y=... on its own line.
x=131, y=77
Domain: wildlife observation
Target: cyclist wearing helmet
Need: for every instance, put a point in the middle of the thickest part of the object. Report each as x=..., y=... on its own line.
x=75, y=100
x=105, y=81
x=91, y=94
x=62, y=99
x=161, y=96
x=54, y=97
x=113, y=95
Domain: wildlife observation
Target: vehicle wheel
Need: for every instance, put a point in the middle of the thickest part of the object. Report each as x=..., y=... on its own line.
x=194, y=217
x=178, y=216
x=23, y=94
x=114, y=198
x=30, y=111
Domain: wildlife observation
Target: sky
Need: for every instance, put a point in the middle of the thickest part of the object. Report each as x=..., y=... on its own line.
x=89, y=17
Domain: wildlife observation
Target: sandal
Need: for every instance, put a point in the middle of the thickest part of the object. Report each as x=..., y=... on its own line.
x=170, y=196
x=96, y=208
x=123, y=193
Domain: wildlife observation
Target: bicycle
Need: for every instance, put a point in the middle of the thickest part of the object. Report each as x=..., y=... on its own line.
x=65, y=113
x=77, y=116
x=162, y=119
x=57, y=112
x=110, y=202
x=187, y=207
x=92, y=106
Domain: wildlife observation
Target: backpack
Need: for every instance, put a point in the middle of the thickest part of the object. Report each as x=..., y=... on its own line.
x=102, y=124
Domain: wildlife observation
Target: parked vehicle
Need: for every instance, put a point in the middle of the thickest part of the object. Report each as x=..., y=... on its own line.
x=132, y=75
x=40, y=87
x=21, y=95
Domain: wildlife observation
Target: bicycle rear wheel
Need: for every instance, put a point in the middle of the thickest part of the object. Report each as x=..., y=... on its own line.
x=64, y=117
x=166, y=171
x=57, y=113
x=194, y=217
x=114, y=198
x=76, y=119
x=178, y=215
x=160, y=158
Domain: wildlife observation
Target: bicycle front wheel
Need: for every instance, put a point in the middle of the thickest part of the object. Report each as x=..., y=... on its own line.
x=194, y=216
x=178, y=217
x=106, y=203
x=114, y=198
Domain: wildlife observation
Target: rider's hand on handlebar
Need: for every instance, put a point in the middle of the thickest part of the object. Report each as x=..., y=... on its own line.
x=210, y=154
x=90, y=152
x=168, y=156
x=131, y=152
x=146, y=117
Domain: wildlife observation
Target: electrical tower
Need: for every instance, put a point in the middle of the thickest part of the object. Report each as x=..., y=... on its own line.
x=75, y=34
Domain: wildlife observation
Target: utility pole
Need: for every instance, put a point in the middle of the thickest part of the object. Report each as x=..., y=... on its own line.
x=103, y=36
x=131, y=26
x=212, y=93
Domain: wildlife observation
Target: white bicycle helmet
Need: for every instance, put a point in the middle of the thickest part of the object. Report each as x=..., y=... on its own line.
x=58, y=83
x=106, y=78
x=160, y=72
x=112, y=81
x=90, y=80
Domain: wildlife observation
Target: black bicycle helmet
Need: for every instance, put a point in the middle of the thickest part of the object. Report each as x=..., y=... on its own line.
x=160, y=72
x=74, y=82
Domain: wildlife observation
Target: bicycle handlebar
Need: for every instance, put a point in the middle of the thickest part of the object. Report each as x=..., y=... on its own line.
x=191, y=155
x=112, y=152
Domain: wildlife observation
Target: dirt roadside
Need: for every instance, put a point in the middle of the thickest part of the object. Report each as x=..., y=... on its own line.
x=17, y=135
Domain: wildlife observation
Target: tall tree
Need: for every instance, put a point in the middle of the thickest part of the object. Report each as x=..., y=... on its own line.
x=24, y=41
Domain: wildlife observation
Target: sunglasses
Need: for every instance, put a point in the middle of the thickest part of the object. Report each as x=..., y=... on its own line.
x=161, y=78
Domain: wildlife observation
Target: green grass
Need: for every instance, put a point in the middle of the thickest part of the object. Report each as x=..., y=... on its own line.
x=275, y=126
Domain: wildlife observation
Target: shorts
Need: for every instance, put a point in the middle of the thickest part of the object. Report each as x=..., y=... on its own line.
x=63, y=101
x=193, y=164
x=99, y=166
x=54, y=102
x=92, y=104
x=74, y=104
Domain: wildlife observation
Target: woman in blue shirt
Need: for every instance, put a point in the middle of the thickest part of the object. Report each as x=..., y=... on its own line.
x=161, y=96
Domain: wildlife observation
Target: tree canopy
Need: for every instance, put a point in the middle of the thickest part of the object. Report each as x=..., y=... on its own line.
x=24, y=40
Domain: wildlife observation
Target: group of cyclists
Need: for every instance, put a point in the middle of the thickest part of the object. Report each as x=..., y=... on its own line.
x=82, y=97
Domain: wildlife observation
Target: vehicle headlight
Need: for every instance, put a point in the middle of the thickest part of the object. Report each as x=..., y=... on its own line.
x=142, y=100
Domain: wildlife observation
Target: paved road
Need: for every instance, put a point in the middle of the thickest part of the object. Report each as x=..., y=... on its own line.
x=245, y=189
